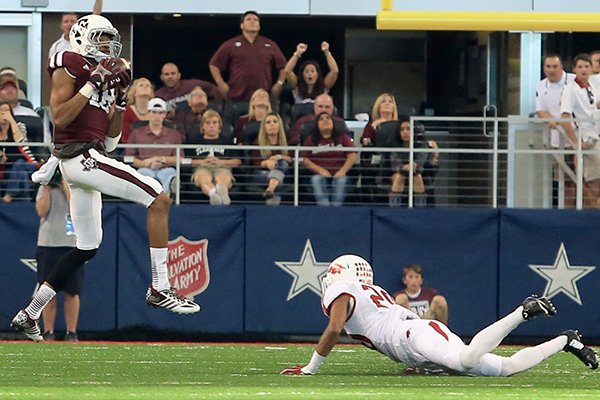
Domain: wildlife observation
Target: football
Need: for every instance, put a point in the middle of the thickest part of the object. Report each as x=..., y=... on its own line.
x=119, y=72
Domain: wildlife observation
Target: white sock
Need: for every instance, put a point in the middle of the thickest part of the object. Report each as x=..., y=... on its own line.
x=489, y=338
x=158, y=264
x=212, y=192
x=42, y=297
x=531, y=356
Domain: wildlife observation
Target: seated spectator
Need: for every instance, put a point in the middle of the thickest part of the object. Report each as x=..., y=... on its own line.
x=258, y=108
x=22, y=85
x=426, y=302
x=188, y=114
x=384, y=109
x=400, y=166
x=157, y=163
x=311, y=82
x=323, y=104
x=272, y=164
x=138, y=96
x=16, y=163
x=330, y=167
x=213, y=163
x=177, y=90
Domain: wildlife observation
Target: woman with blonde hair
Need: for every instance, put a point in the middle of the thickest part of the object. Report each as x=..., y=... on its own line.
x=138, y=96
x=384, y=109
x=272, y=164
x=258, y=108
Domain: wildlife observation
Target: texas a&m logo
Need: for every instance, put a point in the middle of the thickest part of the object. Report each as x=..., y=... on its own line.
x=188, y=266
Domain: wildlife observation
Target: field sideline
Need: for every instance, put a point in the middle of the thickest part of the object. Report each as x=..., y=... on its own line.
x=169, y=371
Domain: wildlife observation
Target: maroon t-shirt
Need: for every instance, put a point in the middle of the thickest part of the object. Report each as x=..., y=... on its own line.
x=144, y=135
x=326, y=156
x=176, y=95
x=92, y=122
x=250, y=65
x=420, y=303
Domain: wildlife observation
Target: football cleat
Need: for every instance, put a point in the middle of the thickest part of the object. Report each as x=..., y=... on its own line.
x=575, y=346
x=23, y=323
x=534, y=306
x=170, y=300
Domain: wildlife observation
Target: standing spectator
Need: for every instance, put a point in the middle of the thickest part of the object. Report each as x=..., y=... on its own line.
x=272, y=164
x=547, y=105
x=579, y=100
x=258, y=108
x=595, y=56
x=311, y=82
x=83, y=135
x=213, y=162
x=67, y=21
x=188, y=114
x=248, y=59
x=400, y=165
x=16, y=163
x=138, y=96
x=157, y=163
x=56, y=237
x=177, y=90
x=330, y=167
x=323, y=104
x=426, y=302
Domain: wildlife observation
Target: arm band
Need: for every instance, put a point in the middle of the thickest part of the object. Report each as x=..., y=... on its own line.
x=111, y=142
x=87, y=90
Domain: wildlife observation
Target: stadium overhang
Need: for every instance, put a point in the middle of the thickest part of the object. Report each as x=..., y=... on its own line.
x=388, y=19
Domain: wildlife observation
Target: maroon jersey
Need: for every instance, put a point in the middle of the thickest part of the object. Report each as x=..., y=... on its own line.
x=326, y=156
x=420, y=303
x=92, y=122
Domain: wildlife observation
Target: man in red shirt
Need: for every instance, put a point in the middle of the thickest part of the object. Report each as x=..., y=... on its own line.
x=177, y=90
x=248, y=59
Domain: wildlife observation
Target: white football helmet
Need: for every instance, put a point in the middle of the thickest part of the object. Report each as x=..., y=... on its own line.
x=348, y=268
x=85, y=37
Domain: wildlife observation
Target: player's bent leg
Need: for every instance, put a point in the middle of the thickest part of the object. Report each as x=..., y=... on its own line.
x=529, y=357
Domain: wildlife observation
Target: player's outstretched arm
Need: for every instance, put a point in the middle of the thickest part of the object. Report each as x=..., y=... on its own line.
x=337, y=319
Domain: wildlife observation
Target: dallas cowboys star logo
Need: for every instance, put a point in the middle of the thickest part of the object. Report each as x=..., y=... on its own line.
x=562, y=277
x=307, y=272
x=30, y=263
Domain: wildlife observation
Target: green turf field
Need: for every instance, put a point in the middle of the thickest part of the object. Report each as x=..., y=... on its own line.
x=250, y=371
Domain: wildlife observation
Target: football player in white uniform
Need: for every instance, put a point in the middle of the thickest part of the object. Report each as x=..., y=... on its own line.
x=88, y=84
x=368, y=313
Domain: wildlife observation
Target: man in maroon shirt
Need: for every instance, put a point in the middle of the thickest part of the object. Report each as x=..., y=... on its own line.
x=423, y=301
x=177, y=90
x=323, y=103
x=248, y=59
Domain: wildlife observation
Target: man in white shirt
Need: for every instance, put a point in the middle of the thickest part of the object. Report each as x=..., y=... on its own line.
x=368, y=313
x=580, y=100
x=67, y=21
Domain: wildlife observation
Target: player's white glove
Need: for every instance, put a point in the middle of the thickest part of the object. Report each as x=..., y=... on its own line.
x=296, y=370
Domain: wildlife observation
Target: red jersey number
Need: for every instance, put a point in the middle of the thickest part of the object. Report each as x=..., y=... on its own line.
x=379, y=297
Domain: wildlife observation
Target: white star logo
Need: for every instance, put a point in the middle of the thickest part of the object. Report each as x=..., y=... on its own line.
x=30, y=263
x=307, y=273
x=562, y=276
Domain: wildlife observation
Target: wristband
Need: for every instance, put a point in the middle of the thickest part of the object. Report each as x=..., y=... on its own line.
x=281, y=82
x=87, y=90
x=315, y=363
x=111, y=142
x=326, y=52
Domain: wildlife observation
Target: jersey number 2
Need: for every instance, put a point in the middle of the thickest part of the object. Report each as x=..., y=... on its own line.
x=379, y=297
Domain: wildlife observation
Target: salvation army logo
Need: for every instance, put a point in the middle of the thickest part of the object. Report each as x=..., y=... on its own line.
x=188, y=266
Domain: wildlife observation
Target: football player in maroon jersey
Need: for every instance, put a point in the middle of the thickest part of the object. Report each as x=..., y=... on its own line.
x=88, y=84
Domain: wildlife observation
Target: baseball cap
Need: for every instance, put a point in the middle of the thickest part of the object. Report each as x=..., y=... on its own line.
x=8, y=76
x=157, y=104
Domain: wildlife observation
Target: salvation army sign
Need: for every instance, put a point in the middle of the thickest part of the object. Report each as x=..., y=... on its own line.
x=188, y=266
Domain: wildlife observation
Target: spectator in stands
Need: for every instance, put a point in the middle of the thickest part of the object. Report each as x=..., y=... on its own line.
x=384, y=109
x=311, y=82
x=595, y=56
x=22, y=85
x=426, y=302
x=157, y=163
x=580, y=100
x=16, y=162
x=330, y=166
x=213, y=163
x=138, y=97
x=177, y=90
x=258, y=108
x=249, y=60
x=56, y=237
x=67, y=21
x=272, y=164
x=400, y=165
x=188, y=115
x=547, y=105
x=323, y=104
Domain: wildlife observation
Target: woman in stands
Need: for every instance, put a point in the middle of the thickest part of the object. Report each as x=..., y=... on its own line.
x=138, y=96
x=400, y=164
x=384, y=109
x=272, y=164
x=258, y=108
x=330, y=166
x=16, y=163
x=311, y=82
